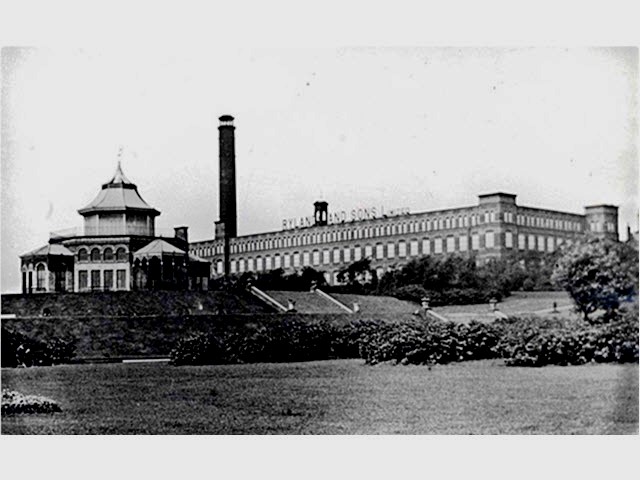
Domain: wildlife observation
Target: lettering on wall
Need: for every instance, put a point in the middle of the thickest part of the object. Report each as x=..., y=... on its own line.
x=344, y=216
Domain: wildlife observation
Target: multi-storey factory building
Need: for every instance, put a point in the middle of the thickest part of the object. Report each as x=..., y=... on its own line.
x=329, y=241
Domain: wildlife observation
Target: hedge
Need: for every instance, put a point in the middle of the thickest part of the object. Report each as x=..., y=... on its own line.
x=521, y=342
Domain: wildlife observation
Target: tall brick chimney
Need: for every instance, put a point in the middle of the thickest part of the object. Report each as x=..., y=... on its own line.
x=228, y=213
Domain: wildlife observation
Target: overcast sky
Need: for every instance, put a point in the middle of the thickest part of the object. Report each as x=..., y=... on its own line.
x=420, y=128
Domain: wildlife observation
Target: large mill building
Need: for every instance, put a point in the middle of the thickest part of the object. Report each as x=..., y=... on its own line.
x=118, y=247
x=494, y=227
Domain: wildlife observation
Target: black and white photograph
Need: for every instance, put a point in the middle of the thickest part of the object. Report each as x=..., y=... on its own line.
x=248, y=239
x=320, y=241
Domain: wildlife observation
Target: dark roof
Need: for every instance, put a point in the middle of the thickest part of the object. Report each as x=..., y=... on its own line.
x=49, y=249
x=118, y=195
x=159, y=247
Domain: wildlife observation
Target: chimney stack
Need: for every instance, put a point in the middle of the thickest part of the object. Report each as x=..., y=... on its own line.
x=228, y=213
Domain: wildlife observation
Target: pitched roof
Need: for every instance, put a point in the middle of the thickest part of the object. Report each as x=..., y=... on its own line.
x=49, y=249
x=159, y=247
x=118, y=194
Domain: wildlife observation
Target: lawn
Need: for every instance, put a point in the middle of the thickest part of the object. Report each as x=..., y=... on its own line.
x=329, y=397
x=516, y=304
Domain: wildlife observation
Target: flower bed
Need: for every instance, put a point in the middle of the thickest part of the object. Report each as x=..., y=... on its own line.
x=16, y=403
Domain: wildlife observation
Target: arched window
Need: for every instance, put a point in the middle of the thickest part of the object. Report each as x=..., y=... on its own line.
x=95, y=255
x=40, y=277
x=83, y=256
x=121, y=255
x=108, y=254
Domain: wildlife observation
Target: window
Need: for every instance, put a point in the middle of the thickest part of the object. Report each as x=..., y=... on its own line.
x=508, y=239
x=121, y=278
x=437, y=245
x=306, y=260
x=95, y=278
x=489, y=240
x=40, y=277
x=233, y=266
x=250, y=266
x=83, y=256
x=426, y=246
x=402, y=249
x=287, y=260
x=83, y=280
x=463, y=241
x=379, y=250
x=259, y=264
x=108, y=255
x=451, y=244
x=296, y=259
x=336, y=255
x=325, y=257
x=357, y=253
x=413, y=248
x=108, y=279
x=241, y=265
x=316, y=257
x=521, y=241
x=550, y=247
x=368, y=251
x=95, y=255
x=346, y=254
x=219, y=267
x=391, y=250
x=540, y=243
x=121, y=255
x=475, y=241
x=532, y=242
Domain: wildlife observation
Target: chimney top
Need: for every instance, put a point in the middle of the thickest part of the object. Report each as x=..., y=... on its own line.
x=226, y=121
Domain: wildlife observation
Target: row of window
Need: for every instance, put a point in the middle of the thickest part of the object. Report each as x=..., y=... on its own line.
x=546, y=222
x=364, y=232
x=107, y=255
x=391, y=250
x=599, y=227
x=102, y=279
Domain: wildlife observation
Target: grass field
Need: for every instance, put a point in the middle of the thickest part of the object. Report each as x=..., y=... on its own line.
x=329, y=397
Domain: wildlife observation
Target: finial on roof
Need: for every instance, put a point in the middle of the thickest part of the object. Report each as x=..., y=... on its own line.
x=120, y=150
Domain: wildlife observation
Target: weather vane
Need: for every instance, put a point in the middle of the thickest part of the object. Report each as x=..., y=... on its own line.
x=120, y=150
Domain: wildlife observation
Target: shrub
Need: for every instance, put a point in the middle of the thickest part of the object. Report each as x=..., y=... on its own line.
x=431, y=342
x=288, y=339
x=520, y=341
x=16, y=403
x=536, y=342
x=21, y=350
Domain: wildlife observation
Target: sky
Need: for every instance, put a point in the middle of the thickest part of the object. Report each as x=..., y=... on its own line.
x=421, y=128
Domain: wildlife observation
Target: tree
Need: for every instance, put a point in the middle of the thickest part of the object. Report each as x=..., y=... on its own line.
x=358, y=276
x=598, y=274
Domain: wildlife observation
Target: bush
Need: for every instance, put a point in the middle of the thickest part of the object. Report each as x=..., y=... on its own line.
x=520, y=341
x=284, y=340
x=15, y=403
x=20, y=350
x=536, y=342
x=431, y=342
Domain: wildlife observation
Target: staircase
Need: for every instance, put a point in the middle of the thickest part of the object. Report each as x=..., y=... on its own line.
x=269, y=300
x=334, y=300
